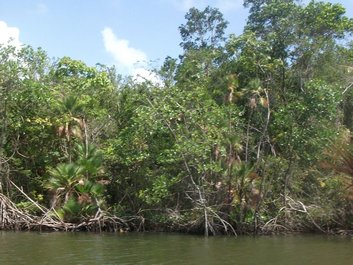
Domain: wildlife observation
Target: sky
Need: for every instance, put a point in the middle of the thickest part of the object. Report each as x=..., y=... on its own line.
x=131, y=34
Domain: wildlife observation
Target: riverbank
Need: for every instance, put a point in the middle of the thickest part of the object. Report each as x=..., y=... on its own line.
x=15, y=219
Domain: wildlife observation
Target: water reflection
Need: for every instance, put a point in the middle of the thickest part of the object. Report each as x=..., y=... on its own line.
x=85, y=248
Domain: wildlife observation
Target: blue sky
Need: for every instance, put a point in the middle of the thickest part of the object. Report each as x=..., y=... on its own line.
x=118, y=32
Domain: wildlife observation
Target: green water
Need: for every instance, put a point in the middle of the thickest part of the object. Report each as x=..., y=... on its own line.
x=84, y=248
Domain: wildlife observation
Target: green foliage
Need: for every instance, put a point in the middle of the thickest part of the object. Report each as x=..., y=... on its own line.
x=159, y=191
x=90, y=159
x=233, y=137
x=325, y=20
x=203, y=29
x=64, y=176
x=77, y=184
x=28, y=207
x=304, y=124
x=73, y=211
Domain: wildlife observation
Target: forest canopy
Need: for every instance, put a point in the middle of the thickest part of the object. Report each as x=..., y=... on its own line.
x=243, y=134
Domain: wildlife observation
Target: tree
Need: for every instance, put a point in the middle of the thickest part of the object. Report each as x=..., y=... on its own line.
x=203, y=37
x=203, y=29
x=8, y=82
x=232, y=141
x=25, y=106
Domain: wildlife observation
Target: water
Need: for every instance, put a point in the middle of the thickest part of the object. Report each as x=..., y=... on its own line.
x=84, y=248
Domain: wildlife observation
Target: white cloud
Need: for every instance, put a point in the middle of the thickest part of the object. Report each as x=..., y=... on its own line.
x=9, y=35
x=129, y=60
x=125, y=55
x=141, y=74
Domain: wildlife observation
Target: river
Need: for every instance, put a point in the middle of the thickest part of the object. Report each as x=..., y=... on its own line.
x=138, y=248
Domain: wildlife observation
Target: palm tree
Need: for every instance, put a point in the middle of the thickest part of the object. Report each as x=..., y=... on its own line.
x=74, y=123
x=63, y=180
x=90, y=159
x=74, y=185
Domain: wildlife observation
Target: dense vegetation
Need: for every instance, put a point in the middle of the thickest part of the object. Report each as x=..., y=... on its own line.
x=248, y=133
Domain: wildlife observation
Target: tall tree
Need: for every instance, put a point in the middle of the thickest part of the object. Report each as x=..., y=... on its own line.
x=203, y=29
